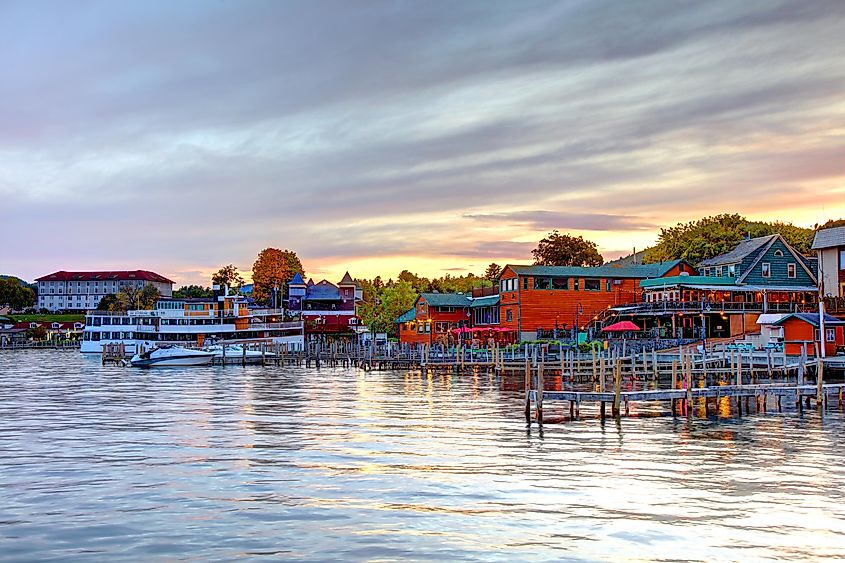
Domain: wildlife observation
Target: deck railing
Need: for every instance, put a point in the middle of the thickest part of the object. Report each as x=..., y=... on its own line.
x=709, y=307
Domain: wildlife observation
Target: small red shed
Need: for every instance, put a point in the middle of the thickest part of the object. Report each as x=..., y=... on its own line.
x=804, y=327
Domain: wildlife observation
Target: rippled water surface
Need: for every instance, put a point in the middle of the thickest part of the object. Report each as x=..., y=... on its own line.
x=221, y=463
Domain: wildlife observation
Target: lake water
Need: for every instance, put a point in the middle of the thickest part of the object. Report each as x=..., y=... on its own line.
x=216, y=463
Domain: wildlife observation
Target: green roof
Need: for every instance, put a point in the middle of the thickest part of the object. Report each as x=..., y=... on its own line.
x=487, y=301
x=632, y=271
x=407, y=316
x=445, y=299
x=688, y=280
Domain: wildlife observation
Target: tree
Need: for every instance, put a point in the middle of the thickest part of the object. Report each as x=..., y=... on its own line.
x=228, y=275
x=380, y=312
x=131, y=298
x=493, y=272
x=274, y=268
x=830, y=224
x=189, y=291
x=15, y=294
x=710, y=236
x=109, y=302
x=37, y=333
x=565, y=250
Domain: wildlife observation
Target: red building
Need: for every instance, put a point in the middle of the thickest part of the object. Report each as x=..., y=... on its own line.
x=801, y=328
x=434, y=316
x=543, y=298
x=326, y=308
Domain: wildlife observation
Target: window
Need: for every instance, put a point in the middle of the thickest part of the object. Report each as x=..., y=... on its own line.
x=706, y=271
x=542, y=282
x=576, y=284
x=790, y=270
x=719, y=271
x=842, y=259
x=592, y=285
x=830, y=334
x=779, y=253
x=509, y=315
x=732, y=270
x=441, y=327
x=525, y=283
x=607, y=285
x=766, y=270
x=560, y=283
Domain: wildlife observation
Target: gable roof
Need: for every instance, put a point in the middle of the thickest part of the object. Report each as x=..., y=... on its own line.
x=741, y=251
x=828, y=238
x=347, y=280
x=324, y=290
x=642, y=271
x=297, y=280
x=445, y=299
x=795, y=254
x=407, y=316
x=117, y=275
x=811, y=318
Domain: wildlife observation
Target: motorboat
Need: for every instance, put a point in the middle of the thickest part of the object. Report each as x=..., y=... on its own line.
x=172, y=356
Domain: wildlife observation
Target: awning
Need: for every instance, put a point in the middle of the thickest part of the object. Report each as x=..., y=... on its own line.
x=621, y=326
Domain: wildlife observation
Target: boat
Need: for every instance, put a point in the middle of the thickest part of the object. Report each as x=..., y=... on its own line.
x=171, y=356
x=193, y=323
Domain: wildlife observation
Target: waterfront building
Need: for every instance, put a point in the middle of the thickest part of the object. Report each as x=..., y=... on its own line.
x=434, y=316
x=829, y=245
x=728, y=293
x=79, y=291
x=800, y=331
x=326, y=308
x=542, y=301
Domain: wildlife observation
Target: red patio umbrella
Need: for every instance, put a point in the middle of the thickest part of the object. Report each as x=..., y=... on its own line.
x=621, y=326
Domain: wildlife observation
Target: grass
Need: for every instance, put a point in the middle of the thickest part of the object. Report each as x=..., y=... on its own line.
x=47, y=318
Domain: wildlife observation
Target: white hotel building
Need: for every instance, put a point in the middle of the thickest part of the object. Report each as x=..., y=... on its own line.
x=84, y=290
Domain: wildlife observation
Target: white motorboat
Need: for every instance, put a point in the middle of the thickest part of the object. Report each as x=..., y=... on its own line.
x=172, y=356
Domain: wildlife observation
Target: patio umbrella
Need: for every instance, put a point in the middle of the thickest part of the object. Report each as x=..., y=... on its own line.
x=621, y=326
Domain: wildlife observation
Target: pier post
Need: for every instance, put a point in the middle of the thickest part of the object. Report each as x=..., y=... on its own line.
x=689, y=389
x=617, y=389
x=820, y=383
x=527, y=392
x=674, y=385
x=539, y=399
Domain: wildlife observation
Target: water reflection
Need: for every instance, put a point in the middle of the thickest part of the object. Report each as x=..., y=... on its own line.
x=242, y=462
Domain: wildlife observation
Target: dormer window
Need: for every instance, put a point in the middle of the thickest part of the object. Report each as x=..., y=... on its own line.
x=779, y=253
x=33, y=325
x=57, y=325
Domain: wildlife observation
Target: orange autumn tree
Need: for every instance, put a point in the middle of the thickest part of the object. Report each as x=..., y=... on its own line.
x=274, y=268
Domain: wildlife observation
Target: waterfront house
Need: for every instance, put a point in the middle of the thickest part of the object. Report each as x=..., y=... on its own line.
x=801, y=330
x=536, y=300
x=79, y=291
x=729, y=292
x=326, y=308
x=829, y=245
x=434, y=316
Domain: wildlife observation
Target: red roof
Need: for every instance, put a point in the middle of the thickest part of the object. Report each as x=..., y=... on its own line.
x=105, y=276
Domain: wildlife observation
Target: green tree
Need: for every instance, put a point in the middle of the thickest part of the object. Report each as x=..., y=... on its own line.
x=192, y=291
x=830, y=224
x=109, y=302
x=131, y=298
x=37, y=333
x=565, y=250
x=493, y=272
x=15, y=294
x=228, y=275
x=380, y=313
x=710, y=236
x=274, y=268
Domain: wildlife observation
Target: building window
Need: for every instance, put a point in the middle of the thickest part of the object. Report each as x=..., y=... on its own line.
x=576, y=284
x=732, y=270
x=525, y=283
x=778, y=253
x=790, y=270
x=830, y=334
x=706, y=271
x=607, y=285
x=766, y=270
x=509, y=315
x=592, y=285
x=842, y=259
x=718, y=271
x=542, y=282
x=560, y=283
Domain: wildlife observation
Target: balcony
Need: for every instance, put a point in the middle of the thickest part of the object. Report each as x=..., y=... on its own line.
x=658, y=307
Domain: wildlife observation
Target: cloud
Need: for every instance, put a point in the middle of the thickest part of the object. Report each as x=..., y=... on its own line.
x=549, y=220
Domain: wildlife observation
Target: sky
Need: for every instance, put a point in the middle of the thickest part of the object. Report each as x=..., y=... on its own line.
x=436, y=136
